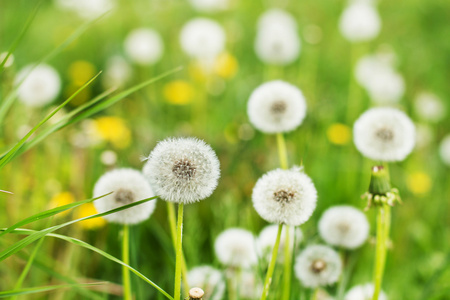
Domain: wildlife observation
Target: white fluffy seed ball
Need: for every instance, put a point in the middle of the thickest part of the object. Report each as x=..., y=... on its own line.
x=128, y=186
x=384, y=134
x=183, y=170
x=276, y=17
x=363, y=292
x=386, y=87
x=444, y=150
x=209, y=279
x=235, y=247
x=318, y=265
x=285, y=197
x=266, y=240
x=344, y=226
x=276, y=106
x=210, y=6
x=429, y=107
x=38, y=86
x=144, y=46
x=360, y=22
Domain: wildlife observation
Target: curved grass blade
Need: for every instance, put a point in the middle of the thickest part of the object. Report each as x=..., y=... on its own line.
x=30, y=239
x=48, y=213
x=34, y=290
x=11, y=153
x=99, y=251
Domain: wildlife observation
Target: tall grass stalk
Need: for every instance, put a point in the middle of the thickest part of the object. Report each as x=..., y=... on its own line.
x=127, y=295
x=383, y=227
x=179, y=253
x=271, y=268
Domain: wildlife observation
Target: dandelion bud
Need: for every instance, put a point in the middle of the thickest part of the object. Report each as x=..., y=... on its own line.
x=210, y=280
x=196, y=293
x=380, y=191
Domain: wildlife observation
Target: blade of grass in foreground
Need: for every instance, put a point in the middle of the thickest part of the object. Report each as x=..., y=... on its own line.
x=11, y=153
x=95, y=249
x=48, y=213
x=33, y=290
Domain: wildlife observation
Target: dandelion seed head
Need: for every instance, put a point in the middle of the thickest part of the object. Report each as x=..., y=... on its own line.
x=276, y=106
x=209, y=279
x=210, y=6
x=344, y=226
x=363, y=292
x=276, y=17
x=144, y=46
x=40, y=85
x=384, y=134
x=266, y=240
x=429, y=107
x=318, y=265
x=183, y=170
x=128, y=186
x=235, y=247
x=360, y=22
x=87, y=9
x=285, y=197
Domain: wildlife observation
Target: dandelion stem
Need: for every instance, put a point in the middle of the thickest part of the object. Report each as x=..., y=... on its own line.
x=315, y=293
x=383, y=224
x=126, y=259
x=282, y=152
x=287, y=266
x=179, y=253
x=273, y=260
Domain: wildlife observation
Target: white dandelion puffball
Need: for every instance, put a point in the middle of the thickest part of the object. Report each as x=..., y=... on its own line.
x=266, y=240
x=384, y=134
x=386, y=87
x=128, y=186
x=210, y=6
x=117, y=72
x=429, y=107
x=318, y=265
x=87, y=9
x=276, y=106
x=38, y=86
x=202, y=38
x=249, y=286
x=344, y=226
x=285, y=197
x=144, y=46
x=369, y=66
x=209, y=279
x=360, y=22
x=363, y=292
x=444, y=150
x=276, y=17
x=183, y=170
x=235, y=247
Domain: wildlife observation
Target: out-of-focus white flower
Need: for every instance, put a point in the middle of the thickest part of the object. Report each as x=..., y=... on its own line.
x=312, y=34
x=183, y=170
x=384, y=134
x=424, y=135
x=144, y=46
x=429, y=107
x=117, y=72
x=318, y=265
x=444, y=150
x=87, y=9
x=285, y=196
x=38, y=86
x=276, y=17
x=276, y=106
x=266, y=240
x=360, y=22
x=344, y=226
x=210, y=5
x=203, y=39
x=9, y=61
x=363, y=292
x=235, y=247
x=248, y=285
x=128, y=186
x=209, y=279
x=108, y=157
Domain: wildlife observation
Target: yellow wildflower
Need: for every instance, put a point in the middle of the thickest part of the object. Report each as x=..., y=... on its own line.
x=81, y=71
x=226, y=65
x=61, y=199
x=339, y=134
x=419, y=182
x=88, y=209
x=114, y=130
x=178, y=92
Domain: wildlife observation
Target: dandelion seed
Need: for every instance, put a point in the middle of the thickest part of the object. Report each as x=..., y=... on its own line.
x=183, y=170
x=276, y=106
x=363, y=292
x=209, y=279
x=360, y=22
x=128, y=186
x=429, y=107
x=285, y=197
x=39, y=87
x=444, y=150
x=344, y=226
x=144, y=46
x=235, y=247
x=210, y=5
x=318, y=265
x=384, y=134
x=267, y=237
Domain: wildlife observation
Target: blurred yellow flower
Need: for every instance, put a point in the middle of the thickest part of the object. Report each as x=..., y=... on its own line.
x=196, y=72
x=114, y=130
x=81, y=71
x=419, y=182
x=226, y=65
x=61, y=199
x=88, y=209
x=81, y=97
x=339, y=134
x=178, y=92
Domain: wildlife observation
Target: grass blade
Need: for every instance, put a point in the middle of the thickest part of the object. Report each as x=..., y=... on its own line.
x=34, y=290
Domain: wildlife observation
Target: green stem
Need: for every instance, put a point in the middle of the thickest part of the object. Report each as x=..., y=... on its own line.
x=287, y=265
x=383, y=225
x=179, y=253
x=282, y=152
x=315, y=293
x=173, y=233
x=273, y=260
x=126, y=259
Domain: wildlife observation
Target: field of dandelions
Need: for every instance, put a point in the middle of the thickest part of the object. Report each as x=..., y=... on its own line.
x=224, y=149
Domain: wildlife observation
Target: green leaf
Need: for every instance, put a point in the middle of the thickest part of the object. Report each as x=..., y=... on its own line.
x=34, y=290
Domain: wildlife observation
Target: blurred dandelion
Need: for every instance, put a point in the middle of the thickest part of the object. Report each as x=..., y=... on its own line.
x=144, y=46
x=266, y=240
x=360, y=21
x=363, y=292
x=429, y=107
x=235, y=247
x=210, y=6
x=210, y=280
